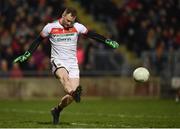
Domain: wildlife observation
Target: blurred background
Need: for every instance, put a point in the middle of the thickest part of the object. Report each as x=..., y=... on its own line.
x=147, y=30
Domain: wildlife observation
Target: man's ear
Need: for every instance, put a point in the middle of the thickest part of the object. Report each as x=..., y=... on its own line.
x=64, y=14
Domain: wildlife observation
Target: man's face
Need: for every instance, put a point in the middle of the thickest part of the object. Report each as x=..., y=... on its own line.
x=68, y=20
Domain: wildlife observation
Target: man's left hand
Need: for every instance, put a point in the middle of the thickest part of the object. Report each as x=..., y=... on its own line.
x=112, y=43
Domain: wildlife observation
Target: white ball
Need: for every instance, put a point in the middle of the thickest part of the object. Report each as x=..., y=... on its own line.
x=141, y=74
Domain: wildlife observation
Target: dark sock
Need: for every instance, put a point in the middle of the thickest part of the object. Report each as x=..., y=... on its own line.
x=59, y=108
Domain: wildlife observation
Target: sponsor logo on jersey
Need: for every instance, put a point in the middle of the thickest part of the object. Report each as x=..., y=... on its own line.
x=63, y=39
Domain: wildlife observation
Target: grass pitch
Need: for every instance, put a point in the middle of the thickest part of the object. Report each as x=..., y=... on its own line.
x=94, y=113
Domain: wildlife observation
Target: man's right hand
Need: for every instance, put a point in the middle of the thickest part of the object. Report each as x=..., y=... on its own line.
x=23, y=57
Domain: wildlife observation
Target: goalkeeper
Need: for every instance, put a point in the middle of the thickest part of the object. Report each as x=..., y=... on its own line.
x=63, y=35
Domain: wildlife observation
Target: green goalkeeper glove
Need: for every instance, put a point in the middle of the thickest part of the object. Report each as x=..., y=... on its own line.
x=23, y=57
x=112, y=43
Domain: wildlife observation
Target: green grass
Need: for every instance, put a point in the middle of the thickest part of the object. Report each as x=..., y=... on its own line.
x=92, y=113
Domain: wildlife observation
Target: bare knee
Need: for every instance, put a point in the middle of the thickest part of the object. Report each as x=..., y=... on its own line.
x=63, y=77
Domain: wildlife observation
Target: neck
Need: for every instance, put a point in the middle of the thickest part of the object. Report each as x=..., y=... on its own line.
x=60, y=21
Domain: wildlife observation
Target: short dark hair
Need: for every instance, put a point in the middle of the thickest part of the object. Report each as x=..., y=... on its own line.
x=71, y=10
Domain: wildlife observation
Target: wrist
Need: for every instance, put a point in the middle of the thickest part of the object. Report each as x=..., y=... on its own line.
x=107, y=41
x=27, y=54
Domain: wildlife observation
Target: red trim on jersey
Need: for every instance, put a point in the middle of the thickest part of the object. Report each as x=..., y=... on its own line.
x=73, y=29
x=63, y=31
x=56, y=31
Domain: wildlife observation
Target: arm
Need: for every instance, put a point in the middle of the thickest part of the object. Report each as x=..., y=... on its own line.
x=100, y=38
x=30, y=51
x=35, y=44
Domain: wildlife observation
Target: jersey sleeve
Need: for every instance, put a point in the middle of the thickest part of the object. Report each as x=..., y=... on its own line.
x=46, y=30
x=81, y=28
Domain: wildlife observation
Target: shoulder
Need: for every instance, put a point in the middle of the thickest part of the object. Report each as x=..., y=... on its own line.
x=77, y=24
x=53, y=23
x=50, y=25
x=80, y=27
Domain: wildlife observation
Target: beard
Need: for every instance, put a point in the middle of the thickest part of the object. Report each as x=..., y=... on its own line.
x=66, y=26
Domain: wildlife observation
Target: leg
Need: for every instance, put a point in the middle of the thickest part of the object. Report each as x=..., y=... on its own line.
x=71, y=87
x=66, y=100
x=63, y=77
x=76, y=88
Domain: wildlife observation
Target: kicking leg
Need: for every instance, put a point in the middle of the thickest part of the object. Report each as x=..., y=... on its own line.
x=65, y=101
x=77, y=89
